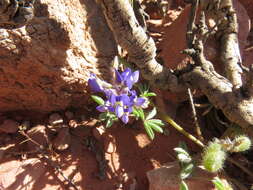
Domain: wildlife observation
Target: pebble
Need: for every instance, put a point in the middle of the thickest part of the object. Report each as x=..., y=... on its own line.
x=62, y=140
x=9, y=126
x=73, y=123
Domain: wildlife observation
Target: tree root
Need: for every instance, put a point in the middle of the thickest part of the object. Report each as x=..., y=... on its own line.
x=229, y=94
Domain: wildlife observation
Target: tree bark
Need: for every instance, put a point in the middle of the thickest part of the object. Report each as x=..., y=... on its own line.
x=226, y=94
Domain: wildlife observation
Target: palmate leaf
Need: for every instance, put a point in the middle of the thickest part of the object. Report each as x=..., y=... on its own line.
x=149, y=131
x=103, y=116
x=149, y=94
x=151, y=114
x=109, y=123
x=157, y=122
x=143, y=88
x=98, y=100
x=138, y=112
x=154, y=126
x=183, y=186
x=182, y=155
x=219, y=184
x=185, y=160
x=186, y=170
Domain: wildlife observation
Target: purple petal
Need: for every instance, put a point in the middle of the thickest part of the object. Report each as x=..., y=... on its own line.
x=132, y=95
x=128, y=110
x=125, y=99
x=127, y=72
x=125, y=118
x=101, y=108
x=135, y=76
x=119, y=78
x=92, y=82
x=113, y=99
x=108, y=93
x=140, y=101
x=129, y=82
x=119, y=111
x=111, y=108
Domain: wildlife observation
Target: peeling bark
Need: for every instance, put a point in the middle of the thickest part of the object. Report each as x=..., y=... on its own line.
x=226, y=20
x=140, y=47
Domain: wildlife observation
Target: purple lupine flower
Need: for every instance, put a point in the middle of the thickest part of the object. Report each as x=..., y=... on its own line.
x=98, y=85
x=127, y=78
x=106, y=107
x=92, y=82
x=120, y=99
x=136, y=101
x=122, y=105
x=125, y=116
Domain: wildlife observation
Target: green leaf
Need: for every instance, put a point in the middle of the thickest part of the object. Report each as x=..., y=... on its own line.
x=151, y=114
x=156, y=121
x=109, y=123
x=136, y=113
x=183, y=145
x=149, y=131
x=154, y=126
x=218, y=184
x=184, y=158
x=149, y=94
x=98, y=99
x=139, y=112
x=183, y=186
x=182, y=155
x=143, y=88
x=179, y=150
x=103, y=116
x=186, y=170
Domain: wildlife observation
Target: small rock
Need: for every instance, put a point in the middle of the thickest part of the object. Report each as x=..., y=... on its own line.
x=167, y=177
x=9, y=126
x=39, y=134
x=69, y=115
x=55, y=119
x=62, y=140
x=73, y=123
x=25, y=125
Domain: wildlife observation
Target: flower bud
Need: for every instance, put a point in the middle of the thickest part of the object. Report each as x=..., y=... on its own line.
x=213, y=157
x=241, y=143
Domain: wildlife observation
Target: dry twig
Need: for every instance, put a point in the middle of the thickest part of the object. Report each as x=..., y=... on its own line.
x=45, y=157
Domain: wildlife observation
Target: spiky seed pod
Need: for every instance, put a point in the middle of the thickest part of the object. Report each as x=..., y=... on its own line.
x=213, y=157
x=241, y=143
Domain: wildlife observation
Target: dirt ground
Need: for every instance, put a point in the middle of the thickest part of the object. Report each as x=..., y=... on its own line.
x=128, y=151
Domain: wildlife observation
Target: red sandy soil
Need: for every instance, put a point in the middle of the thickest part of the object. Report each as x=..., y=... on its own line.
x=129, y=152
